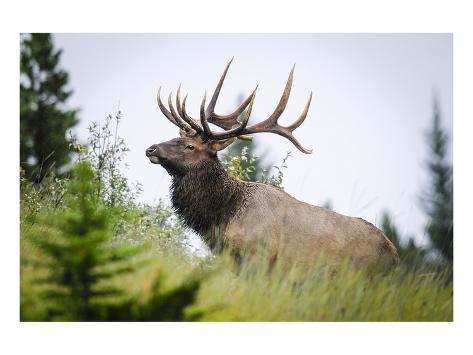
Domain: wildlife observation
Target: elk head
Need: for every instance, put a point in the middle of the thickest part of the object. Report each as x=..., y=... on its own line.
x=198, y=143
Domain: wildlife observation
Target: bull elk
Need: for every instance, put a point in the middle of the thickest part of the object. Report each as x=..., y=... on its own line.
x=240, y=216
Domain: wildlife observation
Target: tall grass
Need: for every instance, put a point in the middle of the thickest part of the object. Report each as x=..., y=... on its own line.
x=251, y=292
x=316, y=295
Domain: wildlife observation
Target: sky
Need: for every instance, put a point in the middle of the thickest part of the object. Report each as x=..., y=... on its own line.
x=372, y=105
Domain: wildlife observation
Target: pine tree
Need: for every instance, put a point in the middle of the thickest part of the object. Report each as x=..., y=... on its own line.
x=81, y=257
x=44, y=119
x=83, y=262
x=438, y=198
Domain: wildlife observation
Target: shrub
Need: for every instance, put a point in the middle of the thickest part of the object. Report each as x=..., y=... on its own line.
x=106, y=153
x=246, y=166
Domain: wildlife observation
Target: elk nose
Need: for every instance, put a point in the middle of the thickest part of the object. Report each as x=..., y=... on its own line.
x=150, y=151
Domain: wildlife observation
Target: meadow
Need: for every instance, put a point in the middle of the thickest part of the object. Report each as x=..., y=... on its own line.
x=90, y=252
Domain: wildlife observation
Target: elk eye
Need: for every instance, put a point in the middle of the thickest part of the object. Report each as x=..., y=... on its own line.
x=190, y=147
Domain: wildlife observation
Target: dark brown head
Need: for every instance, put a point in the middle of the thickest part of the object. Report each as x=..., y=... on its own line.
x=181, y=154
x=198, y=143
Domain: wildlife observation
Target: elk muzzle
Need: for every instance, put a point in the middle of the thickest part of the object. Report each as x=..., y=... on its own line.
x=153, y=154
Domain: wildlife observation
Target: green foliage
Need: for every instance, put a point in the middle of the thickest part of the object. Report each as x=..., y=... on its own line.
x=244, y=165
x=83, y=242
x=276, y=180
x=79, y=264
x=412, y=256
x=438, y=198
x=44, y=119
x=47, y=194
x=156, y=225
x=80, y=257
x=252, y=292
x=106, y=152
x=241, y=164
x=241, y=155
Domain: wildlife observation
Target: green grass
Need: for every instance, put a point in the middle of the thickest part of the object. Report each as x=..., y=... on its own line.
x=250, y=292
x=314, y=295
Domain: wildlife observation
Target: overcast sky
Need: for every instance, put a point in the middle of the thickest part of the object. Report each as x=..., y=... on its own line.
x=371, y=107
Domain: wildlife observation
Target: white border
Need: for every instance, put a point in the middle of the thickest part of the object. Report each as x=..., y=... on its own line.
x=237, y=16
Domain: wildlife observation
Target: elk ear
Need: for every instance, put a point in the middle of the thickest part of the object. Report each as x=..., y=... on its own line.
x=220, y=145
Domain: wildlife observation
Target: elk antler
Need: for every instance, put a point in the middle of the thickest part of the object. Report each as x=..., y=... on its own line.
x=231, y=125
x=191, y=125
x=268, y=125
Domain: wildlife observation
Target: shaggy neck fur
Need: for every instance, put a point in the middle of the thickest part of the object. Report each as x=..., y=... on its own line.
x=205, y=196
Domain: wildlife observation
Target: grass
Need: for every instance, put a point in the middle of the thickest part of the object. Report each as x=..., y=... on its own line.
x=251, y=292
x=313, y=295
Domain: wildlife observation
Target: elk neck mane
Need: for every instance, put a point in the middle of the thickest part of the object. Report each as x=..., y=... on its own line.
x=205, y=195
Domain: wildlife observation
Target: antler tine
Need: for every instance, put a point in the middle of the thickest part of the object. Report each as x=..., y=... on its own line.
x=271, y=120
x=178, y=100
x=182, y=124
x=189, y=120
x=282, y=132
x=247, y=114
x=302, y=117
x=193, y=123
x=171, y=108
x=228, y=121
x=203, y=119
x=224, y=121
x=271, y=123
x=165, y=111
x=234, y=132
x=213, y=100
x=182, y=112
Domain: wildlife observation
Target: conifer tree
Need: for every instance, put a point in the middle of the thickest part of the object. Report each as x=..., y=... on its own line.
x=83, y=261
x=438, y=198
x=81, y=255
x=44, y=118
